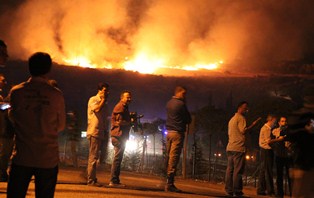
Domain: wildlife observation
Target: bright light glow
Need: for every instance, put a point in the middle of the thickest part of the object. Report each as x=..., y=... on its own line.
x=217, y=154
x=247, y=157
x=131, y=144
x=80, y=61
x=83, y=134
x=143, y=64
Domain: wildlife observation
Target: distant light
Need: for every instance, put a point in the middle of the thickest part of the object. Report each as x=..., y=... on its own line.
x=83, y=134
x=247, y=157
x=217, y=154
x=165, y=132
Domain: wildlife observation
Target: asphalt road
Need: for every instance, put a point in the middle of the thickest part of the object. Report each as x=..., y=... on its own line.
x=72, y=184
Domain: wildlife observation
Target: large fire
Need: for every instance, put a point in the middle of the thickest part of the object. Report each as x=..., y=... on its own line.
x=167, y=37
x=142, y=63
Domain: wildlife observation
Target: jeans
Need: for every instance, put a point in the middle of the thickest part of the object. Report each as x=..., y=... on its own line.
x=265, y=179
x=174, y=144
x=94, y=147
x=234, y=172
x=119, y=147
x=20, y=176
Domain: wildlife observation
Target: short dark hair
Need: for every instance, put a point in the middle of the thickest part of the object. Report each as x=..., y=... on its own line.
x=101, y=85
x=2, y=43
x=125, y=91
x=242, y=103
x=271, y=117
x=39, y=64
x=179, y=89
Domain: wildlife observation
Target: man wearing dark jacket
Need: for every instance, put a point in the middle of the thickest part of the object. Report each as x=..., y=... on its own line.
x=178, y=117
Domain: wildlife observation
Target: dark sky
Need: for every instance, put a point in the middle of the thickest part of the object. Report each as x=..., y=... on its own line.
x=254, y=33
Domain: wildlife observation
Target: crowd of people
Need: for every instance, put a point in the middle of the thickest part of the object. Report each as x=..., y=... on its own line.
x=33, y=115
x=289, y=146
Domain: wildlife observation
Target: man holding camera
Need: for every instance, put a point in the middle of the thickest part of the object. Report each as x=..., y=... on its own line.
x=120, y=127
x=96, y=115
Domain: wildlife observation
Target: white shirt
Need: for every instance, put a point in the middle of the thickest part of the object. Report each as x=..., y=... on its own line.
x=264, y=136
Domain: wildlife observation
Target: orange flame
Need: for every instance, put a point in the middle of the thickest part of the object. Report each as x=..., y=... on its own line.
x=142, y=63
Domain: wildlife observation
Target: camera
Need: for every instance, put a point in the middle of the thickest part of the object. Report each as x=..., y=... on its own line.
x=136, y=121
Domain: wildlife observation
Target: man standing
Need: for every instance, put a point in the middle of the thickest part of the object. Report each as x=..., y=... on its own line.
x=178, y=117
x=120, y=128
x=236, y=150
x=6, y=134
x=281, y=155
x=96, y=130
x=265, y=179
x=38, y=114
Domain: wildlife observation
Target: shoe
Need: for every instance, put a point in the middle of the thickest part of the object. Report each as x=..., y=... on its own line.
x=229, y=194
x=96, y=184
x=116, y=185
x=171, y=188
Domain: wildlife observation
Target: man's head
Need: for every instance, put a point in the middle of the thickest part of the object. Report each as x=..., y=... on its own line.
x=3, y=53
x=271, y=120
x=282, y=121
x=243, y=107
x=180, y=92
x=125, y=97
x=39, y=64
x=103, y=89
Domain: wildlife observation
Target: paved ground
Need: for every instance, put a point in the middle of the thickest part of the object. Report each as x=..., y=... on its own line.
x=71, y=184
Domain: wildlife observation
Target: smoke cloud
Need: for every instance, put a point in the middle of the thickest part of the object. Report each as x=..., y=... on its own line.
x=180, y=32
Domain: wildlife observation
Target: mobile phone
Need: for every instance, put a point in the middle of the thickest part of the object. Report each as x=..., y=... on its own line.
x=4, y=106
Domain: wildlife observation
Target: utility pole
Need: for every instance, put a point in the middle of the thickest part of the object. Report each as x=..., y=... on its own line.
x=209, y=156
x=185, y=145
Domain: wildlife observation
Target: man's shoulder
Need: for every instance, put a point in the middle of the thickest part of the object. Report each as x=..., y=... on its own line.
x=265, y=128
x=174, y=102
x=237, y=116
x=119, y=107
x=93, y=98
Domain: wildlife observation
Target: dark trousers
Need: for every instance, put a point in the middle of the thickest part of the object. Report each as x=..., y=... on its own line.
x=6, y=147
x=265, y=179
x=174, y=146
x=119, y=147
x=234, y=172
x=20, y=176
x=282, y=166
